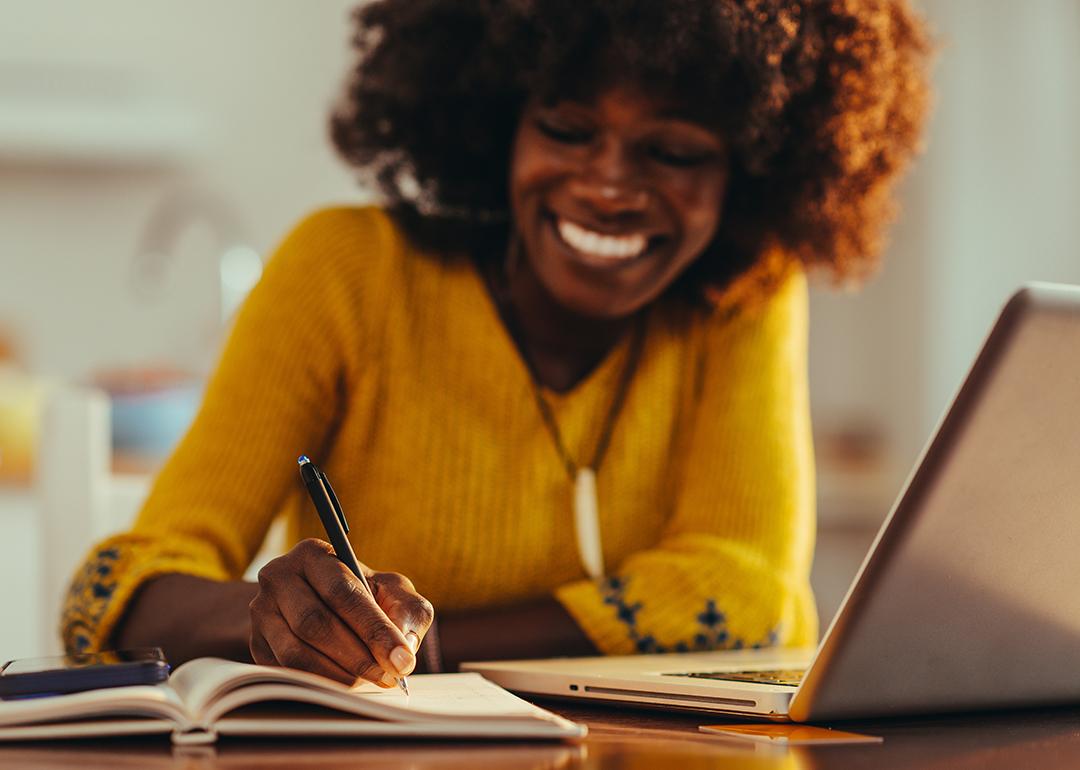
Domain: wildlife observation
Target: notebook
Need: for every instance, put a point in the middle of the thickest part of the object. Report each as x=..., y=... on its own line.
x=208, y=697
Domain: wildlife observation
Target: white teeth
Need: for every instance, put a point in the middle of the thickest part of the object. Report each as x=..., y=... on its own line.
x=600, y=245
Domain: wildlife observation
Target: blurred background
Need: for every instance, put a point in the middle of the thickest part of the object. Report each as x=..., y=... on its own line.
x=153, y=152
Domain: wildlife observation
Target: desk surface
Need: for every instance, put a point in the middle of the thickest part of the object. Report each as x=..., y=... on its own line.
x=627, y=740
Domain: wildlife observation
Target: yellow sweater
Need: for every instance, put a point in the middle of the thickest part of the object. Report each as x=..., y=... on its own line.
x=391, y=368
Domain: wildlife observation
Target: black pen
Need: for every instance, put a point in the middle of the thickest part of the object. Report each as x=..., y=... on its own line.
x=333, y=521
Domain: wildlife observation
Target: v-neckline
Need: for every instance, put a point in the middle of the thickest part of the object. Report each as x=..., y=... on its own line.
x=600, y=373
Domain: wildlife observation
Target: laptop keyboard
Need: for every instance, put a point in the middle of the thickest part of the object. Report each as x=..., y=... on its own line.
x=787, y=678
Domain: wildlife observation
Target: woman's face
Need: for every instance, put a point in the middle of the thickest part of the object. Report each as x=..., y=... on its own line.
x=613, y=198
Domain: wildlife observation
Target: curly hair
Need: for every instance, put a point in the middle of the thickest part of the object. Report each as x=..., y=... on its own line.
x=821, y=102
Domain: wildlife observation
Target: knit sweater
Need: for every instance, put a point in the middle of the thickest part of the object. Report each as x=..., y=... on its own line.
x=391, y=368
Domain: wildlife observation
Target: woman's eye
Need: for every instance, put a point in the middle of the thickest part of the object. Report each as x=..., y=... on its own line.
x=563, y=132
x=678, y=157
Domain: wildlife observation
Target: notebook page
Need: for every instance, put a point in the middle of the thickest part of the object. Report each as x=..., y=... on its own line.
x=136, y=700
x=203, y=681
x=435, y=698
x=452, y=695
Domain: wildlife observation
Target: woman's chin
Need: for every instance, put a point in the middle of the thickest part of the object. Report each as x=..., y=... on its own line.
x=593, y=304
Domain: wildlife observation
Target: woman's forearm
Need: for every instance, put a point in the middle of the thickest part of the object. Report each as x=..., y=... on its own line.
x=189, y=617
x=540, y=629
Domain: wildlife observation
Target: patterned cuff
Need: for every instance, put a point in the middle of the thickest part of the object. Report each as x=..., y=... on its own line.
x=103, y=587
x=612, y=621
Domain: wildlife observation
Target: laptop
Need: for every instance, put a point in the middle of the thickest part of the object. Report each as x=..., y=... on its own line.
x=969, y=597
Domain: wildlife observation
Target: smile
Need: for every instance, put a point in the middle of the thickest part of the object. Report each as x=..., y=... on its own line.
x=600, y=245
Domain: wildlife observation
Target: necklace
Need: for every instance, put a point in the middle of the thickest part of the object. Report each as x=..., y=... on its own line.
x=586, y=503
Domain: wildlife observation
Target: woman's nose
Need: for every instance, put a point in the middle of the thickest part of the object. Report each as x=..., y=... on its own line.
x=610, y=183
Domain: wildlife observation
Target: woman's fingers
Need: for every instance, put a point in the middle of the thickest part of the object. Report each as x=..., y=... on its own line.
x=260, y=650
x=346, y=596
x=289, y=650
x=317, y=625
x=407, y=609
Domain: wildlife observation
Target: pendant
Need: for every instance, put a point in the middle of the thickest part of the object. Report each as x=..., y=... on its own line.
x=587, y=523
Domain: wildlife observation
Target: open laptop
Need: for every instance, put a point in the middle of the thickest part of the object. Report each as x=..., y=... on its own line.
x=970, y=595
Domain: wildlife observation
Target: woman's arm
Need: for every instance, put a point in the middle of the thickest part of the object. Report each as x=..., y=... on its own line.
x=538, y=629
x=189, y=617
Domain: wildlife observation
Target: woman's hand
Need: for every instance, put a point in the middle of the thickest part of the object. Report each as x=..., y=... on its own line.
x=312, y=613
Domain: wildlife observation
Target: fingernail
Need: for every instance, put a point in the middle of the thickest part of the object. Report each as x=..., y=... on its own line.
x=413, y=639
x=403, y=660
x=388, y=681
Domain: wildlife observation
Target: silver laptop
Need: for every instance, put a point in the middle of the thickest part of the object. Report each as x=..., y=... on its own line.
x=970, y=595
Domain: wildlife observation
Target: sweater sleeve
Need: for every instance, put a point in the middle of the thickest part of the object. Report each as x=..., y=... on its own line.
x=732, y=567
x=273, y=396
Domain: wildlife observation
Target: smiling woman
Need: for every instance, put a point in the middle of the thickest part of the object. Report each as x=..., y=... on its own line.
x=559, y=375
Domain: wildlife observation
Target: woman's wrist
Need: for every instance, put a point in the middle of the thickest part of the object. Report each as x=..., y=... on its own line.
x=189, y=617
x=539, y=629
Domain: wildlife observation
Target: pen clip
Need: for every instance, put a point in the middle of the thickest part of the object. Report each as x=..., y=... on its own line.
x=334, y=501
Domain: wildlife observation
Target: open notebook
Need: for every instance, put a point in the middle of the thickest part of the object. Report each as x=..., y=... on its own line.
x=208, y=697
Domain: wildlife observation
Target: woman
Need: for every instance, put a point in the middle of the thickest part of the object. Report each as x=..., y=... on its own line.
x=558, y=378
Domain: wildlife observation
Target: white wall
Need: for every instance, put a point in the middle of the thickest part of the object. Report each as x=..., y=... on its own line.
x=991, y=204
x=1005, y=163
x=253, y=78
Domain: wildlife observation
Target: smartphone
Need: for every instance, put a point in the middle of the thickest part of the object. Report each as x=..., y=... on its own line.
x=82, y=671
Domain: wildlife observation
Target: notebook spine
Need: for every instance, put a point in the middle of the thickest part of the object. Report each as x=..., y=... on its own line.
x=196, y=736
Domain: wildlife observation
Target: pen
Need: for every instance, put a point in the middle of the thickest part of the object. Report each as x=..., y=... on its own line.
x=333, y=521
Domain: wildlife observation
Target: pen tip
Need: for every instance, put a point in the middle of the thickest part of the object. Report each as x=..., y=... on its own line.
x=303, y=459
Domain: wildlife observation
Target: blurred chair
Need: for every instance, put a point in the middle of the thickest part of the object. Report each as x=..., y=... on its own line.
x=81, y=500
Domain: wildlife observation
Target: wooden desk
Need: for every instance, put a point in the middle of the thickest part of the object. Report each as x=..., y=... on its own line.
x=618, y=739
